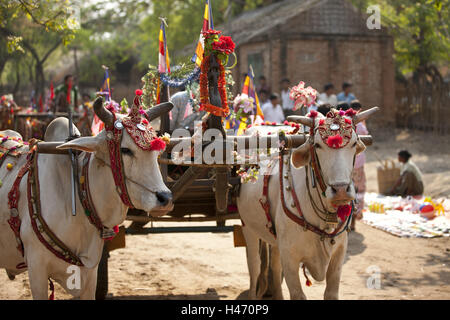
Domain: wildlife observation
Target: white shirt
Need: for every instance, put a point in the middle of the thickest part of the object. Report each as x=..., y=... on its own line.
x=411, y=166
x=331, y=99
x=287, y=103
x=273, y=114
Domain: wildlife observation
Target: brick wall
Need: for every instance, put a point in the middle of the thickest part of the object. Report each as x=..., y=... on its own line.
x=327, y=43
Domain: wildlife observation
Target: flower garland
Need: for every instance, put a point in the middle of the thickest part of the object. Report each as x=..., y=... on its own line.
x=205, y=104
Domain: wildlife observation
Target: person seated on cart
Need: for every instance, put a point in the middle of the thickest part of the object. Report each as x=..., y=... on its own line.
x=185, y=110
x=411, y=180
x=61, y=102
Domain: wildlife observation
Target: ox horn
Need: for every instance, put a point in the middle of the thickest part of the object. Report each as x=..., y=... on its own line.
x=307, y=121
x=158, y=110
x=104, y=114
x=364, y=115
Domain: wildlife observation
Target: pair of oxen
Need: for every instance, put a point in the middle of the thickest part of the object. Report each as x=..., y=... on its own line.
x=26, y=245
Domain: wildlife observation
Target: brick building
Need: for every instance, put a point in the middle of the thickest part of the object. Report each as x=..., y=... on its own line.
x=317, y=41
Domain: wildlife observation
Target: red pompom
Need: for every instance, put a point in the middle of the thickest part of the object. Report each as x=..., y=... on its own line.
x=313, y=114
x=285, y=122
x=350, y=112
x=344, y=211
x=321, y=122
x=138, y=92
x=334, y=141
x=308, y=283
x=145, y=121
x=157, y=144
x=348, y=121
x=274, y=123
x=116, y=229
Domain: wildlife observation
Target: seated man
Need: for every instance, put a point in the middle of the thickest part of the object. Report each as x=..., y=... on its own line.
x=410, y=182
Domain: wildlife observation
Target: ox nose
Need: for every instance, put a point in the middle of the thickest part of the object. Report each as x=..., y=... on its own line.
x=341, y=192
x=164, y=198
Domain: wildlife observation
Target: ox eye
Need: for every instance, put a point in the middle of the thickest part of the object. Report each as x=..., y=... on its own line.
x=126, y=151
x=317, y=146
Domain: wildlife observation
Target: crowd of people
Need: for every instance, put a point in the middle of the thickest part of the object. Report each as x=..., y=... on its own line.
x=277, y=107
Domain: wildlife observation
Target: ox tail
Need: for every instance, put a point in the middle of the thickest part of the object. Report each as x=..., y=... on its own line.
x=263, y=279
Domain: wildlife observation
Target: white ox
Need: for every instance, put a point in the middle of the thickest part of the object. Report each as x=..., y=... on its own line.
x=293, y=245
x=145, y=187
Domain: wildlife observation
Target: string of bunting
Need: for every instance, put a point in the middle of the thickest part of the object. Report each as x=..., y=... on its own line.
x=180, y=82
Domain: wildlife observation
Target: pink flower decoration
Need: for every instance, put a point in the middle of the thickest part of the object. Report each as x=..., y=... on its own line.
x=157, y=144
x=313, y=114
x=350, y=112
x=334, y=141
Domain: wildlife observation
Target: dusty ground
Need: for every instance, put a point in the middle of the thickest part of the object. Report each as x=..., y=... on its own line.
x=207, y=266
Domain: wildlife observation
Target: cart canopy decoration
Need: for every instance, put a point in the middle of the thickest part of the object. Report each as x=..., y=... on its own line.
x=221, y=47
x=302, y=97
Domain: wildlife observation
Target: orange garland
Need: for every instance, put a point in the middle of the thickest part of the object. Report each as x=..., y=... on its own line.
x=205, y=104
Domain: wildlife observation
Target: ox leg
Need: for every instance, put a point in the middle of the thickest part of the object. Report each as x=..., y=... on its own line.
x=333, y=277
x=277, y=278
x=38, y=278
x=89, y=285
x=291, y=267
x=253, y=260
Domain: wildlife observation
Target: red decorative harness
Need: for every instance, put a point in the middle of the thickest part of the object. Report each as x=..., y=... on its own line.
x=114, y=138
x=300, y=220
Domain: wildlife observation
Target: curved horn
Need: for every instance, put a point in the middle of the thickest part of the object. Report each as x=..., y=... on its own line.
x=307, y=121
x=364, y=115
x=156, y=111
x=104, y=114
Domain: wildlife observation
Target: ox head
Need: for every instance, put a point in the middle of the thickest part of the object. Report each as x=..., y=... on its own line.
x=142, y=176
x=333, y=144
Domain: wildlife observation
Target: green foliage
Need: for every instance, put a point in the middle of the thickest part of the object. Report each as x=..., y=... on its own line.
x=54, y=16
x=420, y=30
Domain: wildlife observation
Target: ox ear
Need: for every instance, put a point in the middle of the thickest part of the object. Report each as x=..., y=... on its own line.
x=300, y=156
x=360, y=146
x=88, y=144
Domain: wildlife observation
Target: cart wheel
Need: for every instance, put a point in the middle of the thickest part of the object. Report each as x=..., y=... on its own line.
x=102, y=276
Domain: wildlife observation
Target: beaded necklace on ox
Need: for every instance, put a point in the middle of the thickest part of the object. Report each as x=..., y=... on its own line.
x=336, y=131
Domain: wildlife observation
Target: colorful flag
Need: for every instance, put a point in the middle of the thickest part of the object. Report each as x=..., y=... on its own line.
x=164, y=62
x=207, y=25
x=249, y=90
x=97, y=124
x=105, y=90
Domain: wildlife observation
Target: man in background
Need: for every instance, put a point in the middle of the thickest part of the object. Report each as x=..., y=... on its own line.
x=62, y=100
x=346, y=95
x=263, y=96
x=411, y=179
x=286, y=102
x=328, y=96
x=263, y=85
x=272, y=110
